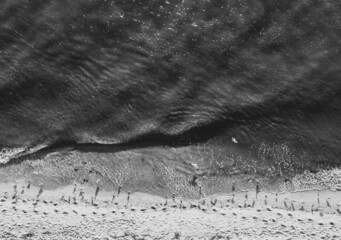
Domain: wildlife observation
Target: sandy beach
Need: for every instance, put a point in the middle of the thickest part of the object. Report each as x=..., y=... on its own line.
x=62, y=214
x=170, y=119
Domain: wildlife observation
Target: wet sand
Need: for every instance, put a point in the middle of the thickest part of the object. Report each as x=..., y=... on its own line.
x=149, y=217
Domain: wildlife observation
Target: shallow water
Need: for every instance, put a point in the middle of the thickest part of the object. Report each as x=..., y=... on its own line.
x=173, y=73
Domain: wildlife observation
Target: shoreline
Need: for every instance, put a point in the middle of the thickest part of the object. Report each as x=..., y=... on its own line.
x=309, y=195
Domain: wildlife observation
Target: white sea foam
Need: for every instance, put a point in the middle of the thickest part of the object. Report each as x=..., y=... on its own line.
x=7, y=153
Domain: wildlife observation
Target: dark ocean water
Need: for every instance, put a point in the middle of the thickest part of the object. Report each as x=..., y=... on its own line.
x=170, y=73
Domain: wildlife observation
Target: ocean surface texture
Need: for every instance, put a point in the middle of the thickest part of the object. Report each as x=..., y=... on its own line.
x=100, y=74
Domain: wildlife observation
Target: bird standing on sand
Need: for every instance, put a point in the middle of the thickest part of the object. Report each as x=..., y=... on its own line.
x=253, y=203
x=15, y=196
x=22, y=190
x=15, y=191
x=81, y=194
x=285, y=204
x=93, y=203
x=128, y=198
x=113, y=197
x=201, y=193
x=312, y=209
x=266, y=200
x=166, y=201
x=292, y=206
x=232, y=201
x=213, y=203
x=173, y=197
x=96, y=192
x=62, y=198
x=328, y=204
x=29, y=184
x=40, y=190
x=74, y=189
x=257, y=190
x=276, y=198
x=119, y=190
x=302, y=206
x=338, y=211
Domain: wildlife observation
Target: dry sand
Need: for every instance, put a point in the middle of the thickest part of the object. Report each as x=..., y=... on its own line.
x=147, y=217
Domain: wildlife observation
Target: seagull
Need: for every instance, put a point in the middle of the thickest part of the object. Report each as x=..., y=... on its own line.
x=81, y=192
x=285, y=204
x=62, y=197
x=195, y=166
x=166, y=201
x=312, y=208
x=234, y=140
x=245, y=204
x=119, y=190
x=14, y=195
x=96, y=192
x=113, y=198
x=253, y=202
x=128, y=198
x=338, y=211
x=257, y=189
x=93, y=203
x=40, y=189
x=201, y=192
x=302, y=206
x=75, y=188
x=328, y=204
x=213, y=203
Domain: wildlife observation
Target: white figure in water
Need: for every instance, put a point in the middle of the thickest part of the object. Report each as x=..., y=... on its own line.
x=195, y=166
x=234, y=140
